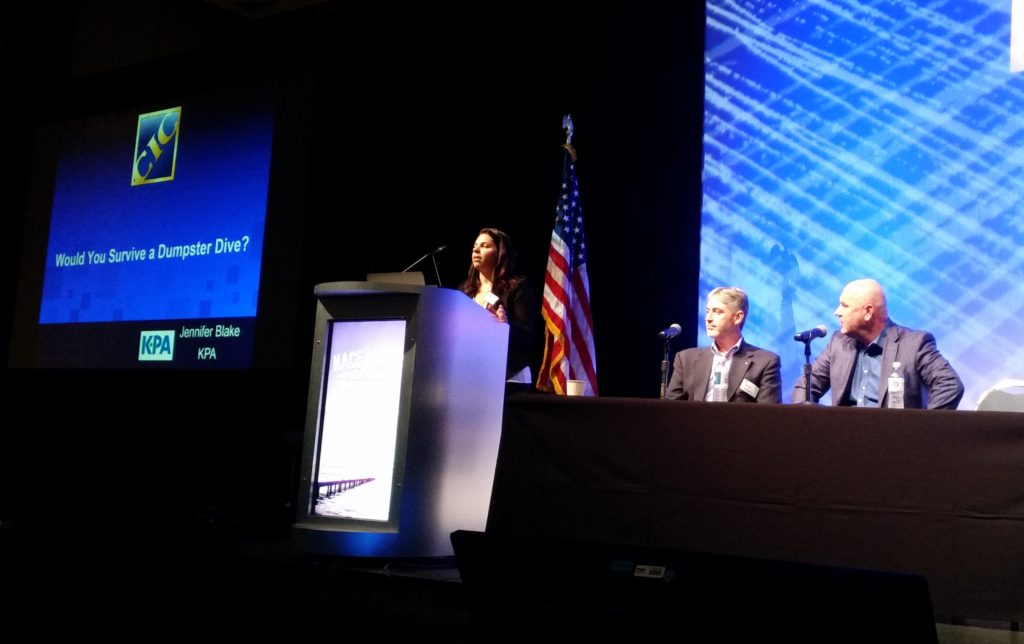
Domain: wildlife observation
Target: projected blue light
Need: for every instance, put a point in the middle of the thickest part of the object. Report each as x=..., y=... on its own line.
x=365, y=544
x=880, y=139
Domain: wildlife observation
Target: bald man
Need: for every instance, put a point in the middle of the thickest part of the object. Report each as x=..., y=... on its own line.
x=858, y=359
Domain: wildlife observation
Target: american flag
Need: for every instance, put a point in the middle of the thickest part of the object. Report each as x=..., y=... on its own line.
x=569, y=327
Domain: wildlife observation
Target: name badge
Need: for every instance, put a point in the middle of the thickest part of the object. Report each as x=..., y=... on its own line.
x=749, y=388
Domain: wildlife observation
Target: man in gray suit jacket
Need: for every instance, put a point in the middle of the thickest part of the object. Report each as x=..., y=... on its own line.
x=858, y=359
x=746, y=373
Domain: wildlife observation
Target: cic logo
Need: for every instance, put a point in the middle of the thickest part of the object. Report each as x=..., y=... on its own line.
x=156, y=146
x=156, y=345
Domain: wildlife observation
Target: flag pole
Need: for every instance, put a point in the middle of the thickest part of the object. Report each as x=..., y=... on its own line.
x=565, y=307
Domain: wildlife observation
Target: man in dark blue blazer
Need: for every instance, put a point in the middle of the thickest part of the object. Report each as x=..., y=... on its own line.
x=858, y=359
x=749, y=373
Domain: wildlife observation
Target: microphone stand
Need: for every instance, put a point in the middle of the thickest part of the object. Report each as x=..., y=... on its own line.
x=807, y=371
x=406, y=270
x=664, y=369
x=433, y=256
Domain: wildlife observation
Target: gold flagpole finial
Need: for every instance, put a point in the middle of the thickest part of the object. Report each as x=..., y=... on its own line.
x=567, y=126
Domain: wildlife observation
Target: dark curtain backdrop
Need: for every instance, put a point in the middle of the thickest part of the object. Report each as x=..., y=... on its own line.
x=427, y=121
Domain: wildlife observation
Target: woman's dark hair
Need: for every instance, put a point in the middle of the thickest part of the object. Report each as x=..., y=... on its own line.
x=503, y=277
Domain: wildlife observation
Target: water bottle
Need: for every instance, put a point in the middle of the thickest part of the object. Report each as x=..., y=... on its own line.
x=718, y=386
x=896, y=387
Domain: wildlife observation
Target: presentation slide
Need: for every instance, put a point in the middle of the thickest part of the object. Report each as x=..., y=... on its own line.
x=845, y=140
x=155, y=236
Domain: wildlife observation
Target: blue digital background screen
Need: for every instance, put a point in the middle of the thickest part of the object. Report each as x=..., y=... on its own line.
x=186, y=246
x=880, y=139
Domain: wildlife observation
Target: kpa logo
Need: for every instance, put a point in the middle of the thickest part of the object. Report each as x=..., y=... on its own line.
x=156, y=146
x=156, y=345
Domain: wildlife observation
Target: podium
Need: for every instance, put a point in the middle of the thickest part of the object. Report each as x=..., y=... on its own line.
x=403, y=420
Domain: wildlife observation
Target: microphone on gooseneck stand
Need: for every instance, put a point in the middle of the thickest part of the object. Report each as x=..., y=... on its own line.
x=431, y=255
x=670, y=332
x=806, y=336
x=667, y=334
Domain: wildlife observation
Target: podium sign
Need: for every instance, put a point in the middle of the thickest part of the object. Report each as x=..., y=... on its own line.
x=362, y=388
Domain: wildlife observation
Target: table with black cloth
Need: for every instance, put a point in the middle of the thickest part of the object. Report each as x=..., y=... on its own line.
x=936, y=493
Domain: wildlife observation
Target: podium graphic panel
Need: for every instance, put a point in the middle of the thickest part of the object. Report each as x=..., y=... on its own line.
x=363, y=384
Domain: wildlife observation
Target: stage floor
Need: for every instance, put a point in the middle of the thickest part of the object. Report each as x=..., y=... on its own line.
x=159, y=577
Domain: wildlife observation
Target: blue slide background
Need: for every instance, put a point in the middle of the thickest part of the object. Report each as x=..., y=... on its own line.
x=219, y=191
x=868, y=139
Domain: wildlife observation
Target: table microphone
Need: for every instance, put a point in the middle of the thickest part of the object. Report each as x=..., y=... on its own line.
x=671, y=332
x=806, y=336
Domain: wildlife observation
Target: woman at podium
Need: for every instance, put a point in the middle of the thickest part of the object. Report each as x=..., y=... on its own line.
x=491, y=282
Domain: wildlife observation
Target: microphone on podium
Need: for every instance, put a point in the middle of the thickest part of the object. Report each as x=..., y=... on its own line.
x=806, y=336
x=431, y=255
x=671, y=332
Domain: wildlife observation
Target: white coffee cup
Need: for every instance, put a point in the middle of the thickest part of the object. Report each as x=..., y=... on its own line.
x=574, y=387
